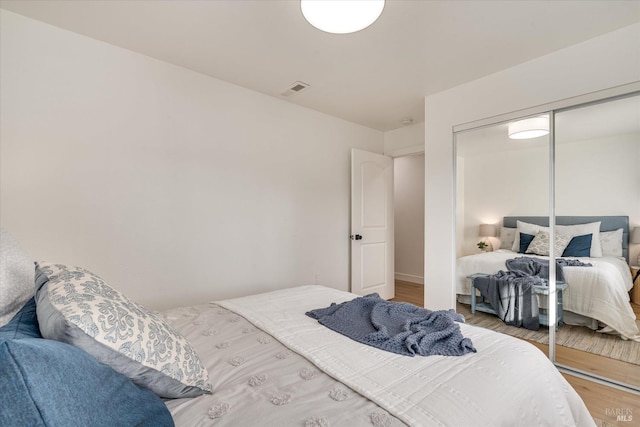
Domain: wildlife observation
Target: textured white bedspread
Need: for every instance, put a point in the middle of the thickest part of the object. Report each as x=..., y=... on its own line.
x=257, y=381
x=507, y=383
x=600, y=292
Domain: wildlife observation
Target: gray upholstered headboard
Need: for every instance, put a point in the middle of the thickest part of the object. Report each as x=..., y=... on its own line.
x=607, y=223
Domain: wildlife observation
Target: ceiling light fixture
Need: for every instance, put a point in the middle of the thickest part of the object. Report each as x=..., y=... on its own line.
x=529, y=128
x=341, y=16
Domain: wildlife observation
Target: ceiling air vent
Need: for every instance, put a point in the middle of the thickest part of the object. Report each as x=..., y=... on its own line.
x=296, y=87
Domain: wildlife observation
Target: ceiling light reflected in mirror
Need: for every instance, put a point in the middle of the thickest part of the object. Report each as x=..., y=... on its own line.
x=529, y=128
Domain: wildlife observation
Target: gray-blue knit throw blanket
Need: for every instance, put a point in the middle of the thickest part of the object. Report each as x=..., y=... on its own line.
x=540, y=267
x=396, y=327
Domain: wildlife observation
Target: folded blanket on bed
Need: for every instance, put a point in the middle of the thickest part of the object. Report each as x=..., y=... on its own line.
x=396, y=327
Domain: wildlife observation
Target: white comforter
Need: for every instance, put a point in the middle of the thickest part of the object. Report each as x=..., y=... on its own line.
x=257, y=381
x=600, y=292
x=508, y=382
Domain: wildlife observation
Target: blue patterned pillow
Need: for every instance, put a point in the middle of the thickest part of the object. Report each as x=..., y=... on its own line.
x=50, y=383
x=77, y=307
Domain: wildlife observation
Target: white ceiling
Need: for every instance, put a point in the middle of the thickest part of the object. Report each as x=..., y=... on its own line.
x=376, y=77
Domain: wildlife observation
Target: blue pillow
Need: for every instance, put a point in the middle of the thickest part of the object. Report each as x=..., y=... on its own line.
x=24, y=324
x=51, y=383
x=525, y=241
x=579, y=246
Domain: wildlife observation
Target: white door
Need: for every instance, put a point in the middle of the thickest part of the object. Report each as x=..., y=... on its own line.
x=372, y=268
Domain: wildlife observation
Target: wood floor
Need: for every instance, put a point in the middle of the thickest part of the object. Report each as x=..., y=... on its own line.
x=604, y=403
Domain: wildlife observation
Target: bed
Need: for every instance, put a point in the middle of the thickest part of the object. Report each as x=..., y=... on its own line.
x=596, y=296
x=77, y=351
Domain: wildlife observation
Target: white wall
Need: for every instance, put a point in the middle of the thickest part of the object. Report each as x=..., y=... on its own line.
x=593, y=177
x=406, y=146
x=606, y=170
x=498, y=184
x=175, y=187
x=604, y=62
x=408, y=195
x=405, y=140
x=600, y=177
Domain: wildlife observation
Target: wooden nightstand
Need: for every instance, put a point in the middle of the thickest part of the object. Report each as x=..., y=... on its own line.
x=634, y=293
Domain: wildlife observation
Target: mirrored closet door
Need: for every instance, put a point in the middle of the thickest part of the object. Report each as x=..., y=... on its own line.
x=597, y=161
x=583, y=177
x=499, y=176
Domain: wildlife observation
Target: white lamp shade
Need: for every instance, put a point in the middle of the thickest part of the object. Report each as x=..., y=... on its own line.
x=529, y=128
x=341, y=16
x=487, y=230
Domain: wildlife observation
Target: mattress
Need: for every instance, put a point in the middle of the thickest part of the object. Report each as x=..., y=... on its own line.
x=272, y=365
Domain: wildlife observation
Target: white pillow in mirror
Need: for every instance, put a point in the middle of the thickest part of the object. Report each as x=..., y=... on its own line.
x=592, y=228
x=507, y=235
x=540, y=244
x=527, y=228
x=611, y=243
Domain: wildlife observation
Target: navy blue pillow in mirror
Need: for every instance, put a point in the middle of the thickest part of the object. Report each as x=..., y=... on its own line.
x=525, y=241
x=579, y=246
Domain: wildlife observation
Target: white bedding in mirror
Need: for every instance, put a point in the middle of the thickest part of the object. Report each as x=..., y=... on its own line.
x=600, y=292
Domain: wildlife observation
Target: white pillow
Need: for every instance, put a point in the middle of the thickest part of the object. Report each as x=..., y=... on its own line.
x=611, y=242
x=507, y=235
x=527, y=228
x=592, y=228
x=17, y=275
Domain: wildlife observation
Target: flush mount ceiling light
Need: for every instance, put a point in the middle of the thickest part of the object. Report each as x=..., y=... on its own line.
x=529, y=128
x=341, y=16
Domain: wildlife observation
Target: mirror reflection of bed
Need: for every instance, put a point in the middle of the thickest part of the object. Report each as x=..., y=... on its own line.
x=597, y=150
x=597, y=315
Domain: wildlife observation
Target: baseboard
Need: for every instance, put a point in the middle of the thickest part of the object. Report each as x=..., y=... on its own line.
x=409, y=278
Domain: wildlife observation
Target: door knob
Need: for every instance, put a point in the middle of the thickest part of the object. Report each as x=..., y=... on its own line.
x=356, y=237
